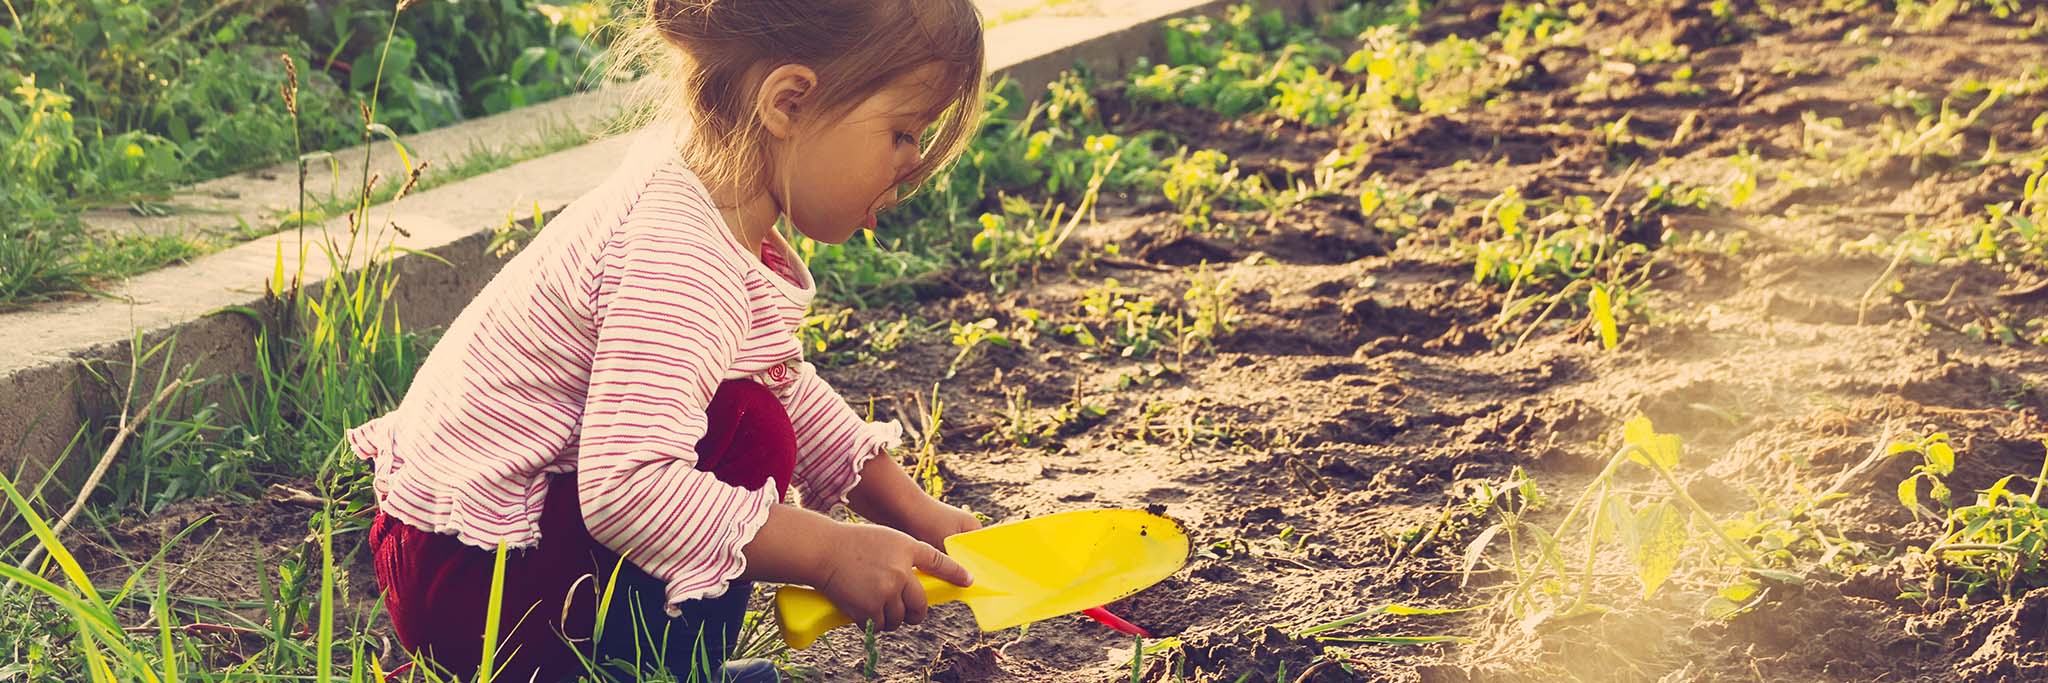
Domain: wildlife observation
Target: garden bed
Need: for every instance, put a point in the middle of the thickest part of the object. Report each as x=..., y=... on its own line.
x=1375, y=338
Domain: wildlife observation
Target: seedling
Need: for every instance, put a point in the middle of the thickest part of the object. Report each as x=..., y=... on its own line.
x=970, y=336
x=1653, y=528
x=1995, y=544
x=1212, y=307
x=926, y=472
x=1194, y=181
x=1566, y=256
x=2016, y=232
x=1939, y=460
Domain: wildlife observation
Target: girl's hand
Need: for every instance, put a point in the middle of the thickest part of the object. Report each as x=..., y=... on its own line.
x=871, y=576
x=933, y=521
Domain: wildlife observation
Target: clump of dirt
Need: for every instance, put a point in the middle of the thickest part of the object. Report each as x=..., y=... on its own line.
x=2011, y=642
x=1266, y=655
x=958, y=665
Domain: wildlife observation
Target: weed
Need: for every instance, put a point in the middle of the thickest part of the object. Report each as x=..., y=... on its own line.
x=1618, y=139
x=1020, y=238
x=1993, y=545
x=1658, y=52
x=1654, y=529
x=1929, y=15
x=1211, y=302
x=1393, y=210
x=1743, y=182
x=830, y=340
x=931, y=419
x=1181, y=425
x=1320, y=631
x=2015, y=232
x=1939, y=460
x=1195, y=180
x=971, y=336
x=1015, y=422
x=1907, y=99
x=1130, y=325
x=1681, y=84
x=1567, y=254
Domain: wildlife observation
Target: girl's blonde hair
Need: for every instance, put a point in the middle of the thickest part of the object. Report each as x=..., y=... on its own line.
x=705, y=59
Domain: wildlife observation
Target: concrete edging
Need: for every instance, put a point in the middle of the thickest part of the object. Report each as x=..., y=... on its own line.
x=50, y=392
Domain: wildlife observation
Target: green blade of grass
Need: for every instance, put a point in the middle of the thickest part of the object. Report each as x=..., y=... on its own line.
x=1388, y=609
x=56, y=549
x=1395, y=640
x=492, y=610
x=324, y=667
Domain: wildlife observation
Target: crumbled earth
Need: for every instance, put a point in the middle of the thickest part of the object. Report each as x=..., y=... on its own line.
x=1366, y=388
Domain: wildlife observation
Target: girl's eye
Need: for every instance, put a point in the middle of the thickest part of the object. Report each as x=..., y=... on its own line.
x=903, y=138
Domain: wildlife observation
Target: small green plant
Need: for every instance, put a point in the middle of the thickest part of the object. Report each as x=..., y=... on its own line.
x=1211, y=301
x=1567, y=257
x=1015, y=421
x=1938, y=461
x=1742, y=183
x=1681, y=84
x=971, y=336
x=1647, y=52
x=1655, y=532
x=2015, y=232
x=1322, y=630
x=1619, y=140
x=1128, y=325
x=931, y=417
x=1195, y=181
x=1925, y=15
x=1993, y=545
x=1020, y=238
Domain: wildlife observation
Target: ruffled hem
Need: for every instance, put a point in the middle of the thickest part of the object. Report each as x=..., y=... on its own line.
x=435, y=506
x=875, y=438
x=744, y=529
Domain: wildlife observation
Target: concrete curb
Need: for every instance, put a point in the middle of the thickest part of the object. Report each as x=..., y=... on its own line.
x=51, y=393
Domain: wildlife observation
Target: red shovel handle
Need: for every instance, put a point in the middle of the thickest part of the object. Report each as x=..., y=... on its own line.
x=1115, y=622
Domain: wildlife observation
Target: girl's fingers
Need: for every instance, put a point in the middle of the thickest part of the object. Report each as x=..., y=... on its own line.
x=938, y=564
x=914, y=607
x=892, y=614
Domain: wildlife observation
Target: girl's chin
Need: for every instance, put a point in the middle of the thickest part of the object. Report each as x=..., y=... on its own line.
x=830, y=236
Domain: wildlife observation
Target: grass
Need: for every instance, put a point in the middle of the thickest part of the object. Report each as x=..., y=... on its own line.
x=111, y=102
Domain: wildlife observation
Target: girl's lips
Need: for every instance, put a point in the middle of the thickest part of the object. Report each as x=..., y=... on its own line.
x=869, y=223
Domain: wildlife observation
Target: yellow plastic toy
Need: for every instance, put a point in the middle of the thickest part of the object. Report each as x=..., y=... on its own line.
x=1026, y=571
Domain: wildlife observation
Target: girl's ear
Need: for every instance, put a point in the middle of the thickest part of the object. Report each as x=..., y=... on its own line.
x=782, y=94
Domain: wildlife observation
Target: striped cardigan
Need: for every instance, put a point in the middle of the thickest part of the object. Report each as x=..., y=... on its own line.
x=597, y=350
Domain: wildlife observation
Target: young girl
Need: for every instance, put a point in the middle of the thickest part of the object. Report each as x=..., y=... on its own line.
x=625, y=408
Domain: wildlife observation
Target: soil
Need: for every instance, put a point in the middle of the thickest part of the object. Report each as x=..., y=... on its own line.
x=1366, y=391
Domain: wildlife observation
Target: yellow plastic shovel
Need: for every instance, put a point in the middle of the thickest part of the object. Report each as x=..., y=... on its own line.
x=1026, y=571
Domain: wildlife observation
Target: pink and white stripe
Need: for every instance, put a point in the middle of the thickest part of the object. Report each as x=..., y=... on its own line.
x=596, y=350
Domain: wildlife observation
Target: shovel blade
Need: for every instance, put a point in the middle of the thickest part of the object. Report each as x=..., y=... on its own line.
x=1065, y=563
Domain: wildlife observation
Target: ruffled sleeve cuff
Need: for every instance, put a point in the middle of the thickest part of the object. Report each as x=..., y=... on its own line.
x=732, y=536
